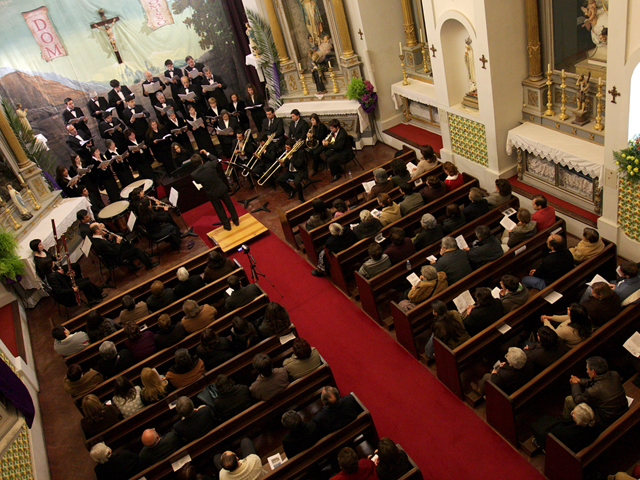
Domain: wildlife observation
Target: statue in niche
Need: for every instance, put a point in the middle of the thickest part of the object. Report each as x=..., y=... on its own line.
x=252, y=40
x=19, y=203
x=471, y=68
x=582, y=115
x=312, y=19
x=597, y=22
x=318, y=75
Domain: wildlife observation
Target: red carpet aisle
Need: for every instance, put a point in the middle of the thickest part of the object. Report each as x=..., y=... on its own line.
x=409, y=405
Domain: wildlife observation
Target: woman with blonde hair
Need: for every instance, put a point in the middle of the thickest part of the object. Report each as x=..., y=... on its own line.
x=97, y=416
x=154, y=387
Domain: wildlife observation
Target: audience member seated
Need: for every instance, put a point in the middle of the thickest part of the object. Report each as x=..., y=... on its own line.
x=232, y=399
x=602, y=305
x=378, y=262
x=477, y=207
x=573, y=328
x=213, y=349
x=131, y=310
x=590, y=245
x=97, y=416
x=336, y=412
x=126, y=396
x=411, y=201
x=433, y=190
x=431, y=232
x=508, y=376
x=185, y=370
x=383, y=184
x=241, y=295
x=390, y=210
x=524, y=229
x=352, y=468
x=447, y=326
x=188, y=472
x=368, y=226
x=84, y=223
x=627, y=288
x=66, y=343
x=431, y=283
x=544, y=215
x=399, y=172
x=243, y=334
x=602, y=391
x=115, y=250
x=112, y=362
x=195, y=422
x=512, y=293
x=168, y=334
x=546, y=350
x=454, y=177
x=340, y=207
x=187, y=284
x=501, y=195
x=270, y=381
x=77, y=383
x=300, y=435
x=123, y=464
x=157, y=448
x=154, y=388
x=392, y=462
x=320, y=215
x=455, y=219
x=64, y=292
x=576, y=433
x=485, y=249
x=197, y=317
x=428, y=161
x=160, y=297
x=249, y=467
x=276, y=320
x=98, y=327
x=340, y=239
x=140, y=344
x=401, y=247
x=453, y=261
x=218, y=266
x=305, y=358
x=485, y=312
x=557, y=263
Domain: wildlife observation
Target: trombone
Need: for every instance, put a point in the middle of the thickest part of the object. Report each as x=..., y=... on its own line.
x=279, y=162
x=257, y=154
x=234, y=158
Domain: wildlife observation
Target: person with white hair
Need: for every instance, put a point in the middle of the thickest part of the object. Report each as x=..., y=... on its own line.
x=453, y=261
x=340, y=239
x=187, y=284
x=508, y=376
x=575, y=433
x=383, y=184
x=431, y=232
x=97, y=106
x=368, y=226
x=123, y=464
x=197, y=317
x=111, y=361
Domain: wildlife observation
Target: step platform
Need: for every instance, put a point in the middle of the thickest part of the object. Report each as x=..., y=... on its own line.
x=249, y=229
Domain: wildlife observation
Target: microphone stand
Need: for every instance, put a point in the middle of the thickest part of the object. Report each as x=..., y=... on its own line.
x=245, y=203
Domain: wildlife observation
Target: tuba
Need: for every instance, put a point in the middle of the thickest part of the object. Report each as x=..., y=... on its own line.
x=312, y=142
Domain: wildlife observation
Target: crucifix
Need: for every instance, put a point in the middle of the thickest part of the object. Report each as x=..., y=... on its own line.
x=360, y=32
x=106, y=25
x=433, y=50
x=614, y=93
x=484, y=61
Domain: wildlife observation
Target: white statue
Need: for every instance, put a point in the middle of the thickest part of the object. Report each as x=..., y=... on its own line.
x=597, y=22
x=19, y=203
x=471, y=67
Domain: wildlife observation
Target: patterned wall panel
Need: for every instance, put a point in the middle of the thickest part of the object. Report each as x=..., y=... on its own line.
x=629, y=208
x=469, y=139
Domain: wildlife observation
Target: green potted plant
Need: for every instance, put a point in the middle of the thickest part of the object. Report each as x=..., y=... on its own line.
x=11, y=267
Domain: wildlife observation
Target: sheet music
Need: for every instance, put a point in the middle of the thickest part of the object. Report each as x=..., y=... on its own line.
x=104, y=164
x=73, y=121
x=597, y=279
x=74, y=181
x=432, y=258
x=463, y=300
x=287, y=338
x=178, y=131
x=225, y=131
x=495, y=293
x=507, y=223
x=193, y=73
x=368, y=185
x=138, y=115
x=633, y=344
x=111, y=130
x=254, y=106
x=173, y=197
x=198, y=186
x=209, y=88
x=84, y=142
x=151, y=87
x=187, y=96
x=462, y=243
x=214, y=119
x=82, y=171
x=413, y=279
x=553, y=296
x=168, y=135
x=131, y=222
x=178, y=464
x=196, y=123
x=86, y=246
x=163, y=110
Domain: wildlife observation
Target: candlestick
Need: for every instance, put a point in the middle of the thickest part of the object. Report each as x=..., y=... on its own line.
x=300, y=67
x=20, y=180
x=305, y=90
x=549, y=111
x=329, y=64
x=36, y=205
x=400, y=45
x=16, y=225
x=404, y=72
x=548, y=67
x=563, y=107
x=599, y=126
x=333, y=79
x=424, y=57
x=421, y=37
x=599, y=81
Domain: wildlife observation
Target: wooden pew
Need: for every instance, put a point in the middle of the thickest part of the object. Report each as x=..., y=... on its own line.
x=502, y=409
x=111, y=306
x=297, y=395
x=343, y=264
x=562, y=464
x=351, y=188
x=416, y=321
x=451, y=363
x=209, y=293
x=371, y=290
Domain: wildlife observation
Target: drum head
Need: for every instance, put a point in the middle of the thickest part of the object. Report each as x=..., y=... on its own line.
x=145, y=183
x=113, y=210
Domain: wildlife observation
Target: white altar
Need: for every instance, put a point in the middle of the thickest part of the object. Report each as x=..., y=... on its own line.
x=418, y=102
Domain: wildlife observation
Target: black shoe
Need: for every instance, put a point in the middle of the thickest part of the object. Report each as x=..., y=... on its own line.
x=227, y=227
x=317, y=273
x=152, y=265
x=335, y=178
x=236, y=223
x=291, y=194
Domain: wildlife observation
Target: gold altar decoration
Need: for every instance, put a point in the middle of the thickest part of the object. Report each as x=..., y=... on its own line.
x=599, y=126
x=36, y=205
x=333, y=79
x=343, y=28
x=13, y=142
x=549, y=82
x=424, y=57
x=276, y=31
x=533, y=40
x=16, y=225
x=404, y=71
x=305, y=90
x=469, y=139
x=563, y=108
x=409, y=26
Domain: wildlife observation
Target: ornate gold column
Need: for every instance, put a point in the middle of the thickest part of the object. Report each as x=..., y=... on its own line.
x=277, y=31
x=533, y=40
x=13, y=142
x=343, y=28
x=409, y=26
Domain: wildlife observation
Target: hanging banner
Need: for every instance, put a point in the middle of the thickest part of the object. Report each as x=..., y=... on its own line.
x=158, y=13
x=44, y=33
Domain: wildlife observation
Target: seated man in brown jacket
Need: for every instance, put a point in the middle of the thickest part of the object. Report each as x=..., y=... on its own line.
x=197, y=317
x=76, y=383
x=590, y=245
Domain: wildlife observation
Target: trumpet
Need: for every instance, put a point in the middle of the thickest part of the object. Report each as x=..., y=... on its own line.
x=279, y=162
x=234, y=158
x=311, y=141
x=330, y=139
x=257, y=154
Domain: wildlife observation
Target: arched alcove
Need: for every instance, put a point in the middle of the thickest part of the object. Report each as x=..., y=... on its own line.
x=634, y=103
x=453, y=34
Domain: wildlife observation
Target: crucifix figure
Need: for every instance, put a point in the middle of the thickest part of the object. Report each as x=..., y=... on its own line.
x=106, y=25
x=484, y=61
x=360, y=32
x=614, y=93
x=433, y=50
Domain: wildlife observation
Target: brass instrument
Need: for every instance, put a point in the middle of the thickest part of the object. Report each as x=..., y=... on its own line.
x=257, y=154
x=234, y=158
x=279, y=162
x=311, y=141
x=330, y=138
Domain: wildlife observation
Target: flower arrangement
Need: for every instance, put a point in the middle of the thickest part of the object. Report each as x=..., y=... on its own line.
x=364, y=92
x=628, y=160
x=10, y=264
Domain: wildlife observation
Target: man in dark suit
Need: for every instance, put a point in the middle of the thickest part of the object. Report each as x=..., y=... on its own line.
x=73, y=115
x=165, y=104
x=77, y=141
x=298, y=128
x=266, y=159
x=295, y=168
x=272, y=124
x=97, y=106
x=240, y=295
x=206, y=175
x=192, y=65
x=117, y=96
x=117, y=135
x=195, y=422
x=64, y=292
x=84, y=223
x=173, y=74
x=243, y=155
x=149, y=79
x=338, y=149
x=157, y=448
x=337, y=412
x=139, y=125
x=215, y=81
x=115, y=249
x=188, y=86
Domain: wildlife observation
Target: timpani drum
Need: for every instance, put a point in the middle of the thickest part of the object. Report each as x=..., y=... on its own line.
x=115, y=216
x=145, y=183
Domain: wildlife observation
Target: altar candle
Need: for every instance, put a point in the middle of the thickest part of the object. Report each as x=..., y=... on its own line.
x=329, y=64
x=20, y=178
x=300, y=66
x=400, y=45
x=421, y=36
x=599, y=81
x=563, y=72
x=548, y=67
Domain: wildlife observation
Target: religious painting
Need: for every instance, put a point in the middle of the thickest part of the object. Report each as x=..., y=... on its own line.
x=576, y=182
x=541, y=168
